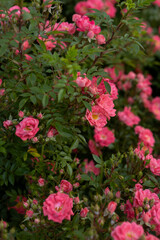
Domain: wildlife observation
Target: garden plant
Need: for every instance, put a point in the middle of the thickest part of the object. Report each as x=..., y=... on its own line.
x=79, y=120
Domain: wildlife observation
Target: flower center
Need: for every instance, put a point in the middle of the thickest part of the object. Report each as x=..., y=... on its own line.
x=95, y=116
x=27, y=128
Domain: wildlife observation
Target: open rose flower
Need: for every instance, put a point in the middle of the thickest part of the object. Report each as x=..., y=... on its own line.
x=127, y=231
x=66, y=186
x=27, y=128
x=58, y=206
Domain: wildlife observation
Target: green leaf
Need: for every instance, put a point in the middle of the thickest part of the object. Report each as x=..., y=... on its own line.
x=22, y=103
x=107, y=86
x=69, y=169
x=61, y=94
x=11, y=179
x=33, y=99
x=45, y=100
x=87, y=105
x=149, y=183
x=97, y=159
x=74, y=145
x=21, y=171
x=85, y=177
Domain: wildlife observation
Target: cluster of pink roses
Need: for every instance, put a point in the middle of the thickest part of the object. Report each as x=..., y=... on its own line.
x=85, y=25
x=107, y=6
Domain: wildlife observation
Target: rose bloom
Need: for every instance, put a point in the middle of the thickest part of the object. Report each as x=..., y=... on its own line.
x=155, y=217
x=112, y=207
x=100, y=39
x=90, y=167
x=151, y=237
x=84, y=212
x=155, y=107
x=0, y=82
x=19, y=207
x=7, y=124
x=41, y=182
x=93, y=148
x=29, y=213
x=21, y=114
x=157, y=2
x=28, y=58
x=103, y=136
x=106, y=103
x=128, y=209
x=2, y=91
x=27, y=128
x=58, y=206
x=145, y=136
x=52, y=132
x=144, y=195
x=128, y=117
x=66, y=186
x=82, y=82
x=127, y=231
x=96, y=117
x=155, y=166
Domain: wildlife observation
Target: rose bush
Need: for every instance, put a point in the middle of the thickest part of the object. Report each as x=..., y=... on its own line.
x=79, y=119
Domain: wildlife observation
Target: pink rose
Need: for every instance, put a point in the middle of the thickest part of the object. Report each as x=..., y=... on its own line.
x=41, y=182
x=7, y=124
x=66, y=186
x=151, y=237
x=52, y=132
x=100, y=39
x=58, y=206
x=96, y=117
x=76, y=200
x=29, y=213
x=21, y=114
x=127, y=230
x=112, y=207
x=2, y=91
x=84, y=212
x=27, y=128
x=0, y=82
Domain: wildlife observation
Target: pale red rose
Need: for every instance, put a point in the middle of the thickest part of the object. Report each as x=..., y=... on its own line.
x=40, y=115
x=112, y=207
x=141, y=196
x=76, y=185
x=155, y=166
x=29, y=213
x=27, y=128
x=41, y=182
x=76, y=200
x=28, y=58
x=66, y=186
x=151, y=237
x=84, y=212
x=52, y=132
x=21, y=114
x=128, y=117
x=127, y=230
x=90, y=167
x=25, y=45
x=82, y=81
x=58, y=206
x=100, y=39
x=94, y=148
x=106, y=103
x=2, y=91
x=103, y=136
x=96, y=117
x=7, y=124
x=106, y=191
